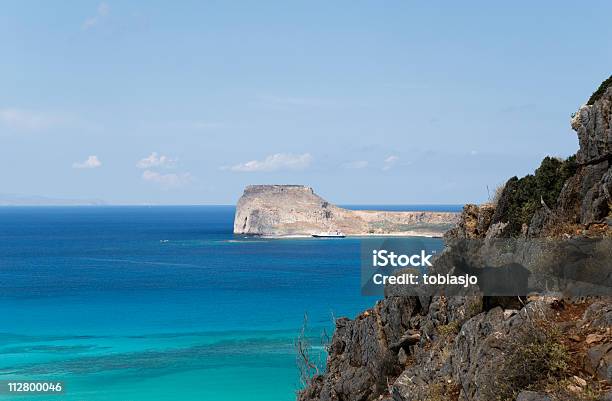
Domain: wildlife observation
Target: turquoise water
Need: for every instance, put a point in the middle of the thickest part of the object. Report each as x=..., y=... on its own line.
x=158, y=303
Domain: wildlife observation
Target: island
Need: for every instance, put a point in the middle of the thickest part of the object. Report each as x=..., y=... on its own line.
x=296, y=210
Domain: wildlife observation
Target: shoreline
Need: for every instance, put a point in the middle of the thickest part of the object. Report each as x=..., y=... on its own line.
x=364, y=235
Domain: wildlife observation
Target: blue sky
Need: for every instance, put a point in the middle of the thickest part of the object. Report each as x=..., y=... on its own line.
x=368, y=102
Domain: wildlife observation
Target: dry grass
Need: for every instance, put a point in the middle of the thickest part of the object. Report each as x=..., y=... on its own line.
x=544, y=358
x=443, y=392
x=496, y=195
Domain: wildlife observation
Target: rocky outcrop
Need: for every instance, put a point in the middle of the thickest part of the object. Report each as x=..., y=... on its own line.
x=474, y=222
x=282, y=210
x=364, y=352
x=463, y=353
x=465, y=348
x=583, y=203
x=588, y=193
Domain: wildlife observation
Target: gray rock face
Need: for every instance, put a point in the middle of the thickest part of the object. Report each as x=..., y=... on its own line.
x=593, y=124
x=599, y=315
x=282, y=210
x=459, y=355
x=586, y=197
x=480, y=339
x=600, y=361
x=362, y=355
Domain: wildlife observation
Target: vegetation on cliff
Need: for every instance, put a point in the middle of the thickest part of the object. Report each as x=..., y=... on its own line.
x=539, y=358
x=521, y=197
x=598, y=94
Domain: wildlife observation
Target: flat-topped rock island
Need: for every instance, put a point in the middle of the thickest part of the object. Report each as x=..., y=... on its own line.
x=295, y=210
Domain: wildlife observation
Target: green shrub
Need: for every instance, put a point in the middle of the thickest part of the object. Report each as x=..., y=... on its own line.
x=600, y=91
x=521, y=197
x=451, y=329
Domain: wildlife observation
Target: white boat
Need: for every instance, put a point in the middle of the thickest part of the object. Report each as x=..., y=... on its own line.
x=330, y=234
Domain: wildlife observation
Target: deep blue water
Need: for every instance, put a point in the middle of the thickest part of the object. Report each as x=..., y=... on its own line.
x=155, y=303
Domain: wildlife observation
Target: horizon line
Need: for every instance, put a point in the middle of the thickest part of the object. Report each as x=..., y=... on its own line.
x=217, y=204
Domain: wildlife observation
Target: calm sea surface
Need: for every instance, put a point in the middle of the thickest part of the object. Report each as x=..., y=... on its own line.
x=159, y=303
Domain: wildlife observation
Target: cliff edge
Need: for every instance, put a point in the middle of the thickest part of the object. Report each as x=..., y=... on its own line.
x=545, y=347
x=296, y=210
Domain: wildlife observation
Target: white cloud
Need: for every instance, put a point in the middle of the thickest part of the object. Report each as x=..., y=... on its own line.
x=155, y=160
x=91, y=162
x=101, y=12
x=390, y=162
x=354, y=165
x=167, y=181
x=275, y=162
x=29, y=120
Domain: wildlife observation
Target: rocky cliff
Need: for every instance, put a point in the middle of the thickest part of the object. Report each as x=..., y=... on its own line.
x=282, y=210
x=545, y=347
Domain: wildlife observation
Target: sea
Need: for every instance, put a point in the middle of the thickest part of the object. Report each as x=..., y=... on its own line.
x=144, y=303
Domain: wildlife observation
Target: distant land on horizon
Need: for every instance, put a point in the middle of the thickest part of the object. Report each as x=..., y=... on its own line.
x=36, y=200
x=39, y=200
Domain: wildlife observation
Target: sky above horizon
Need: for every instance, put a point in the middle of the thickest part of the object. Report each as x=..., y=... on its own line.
x=187, y=102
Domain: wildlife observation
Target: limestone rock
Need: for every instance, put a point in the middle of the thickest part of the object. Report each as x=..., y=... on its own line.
x=593, y=124
x=282, y=210
x=474, y=222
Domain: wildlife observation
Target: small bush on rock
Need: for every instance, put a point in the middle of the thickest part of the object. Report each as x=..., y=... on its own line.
x=536, y=358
